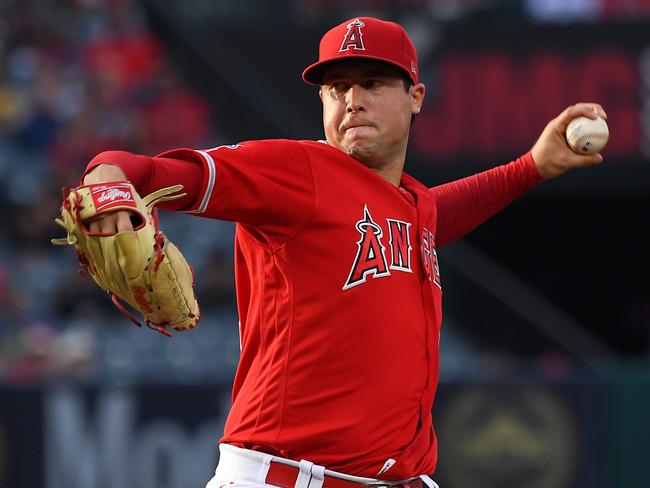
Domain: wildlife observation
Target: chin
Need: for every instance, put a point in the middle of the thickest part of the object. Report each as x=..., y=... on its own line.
x=362, y=154
x=358, y=148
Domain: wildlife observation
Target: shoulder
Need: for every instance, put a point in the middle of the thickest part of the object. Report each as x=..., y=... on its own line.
x=321, y=147
x=295, y=150
x=256, y=152
x=259, y=145
x=271, y=149
x=308, y=146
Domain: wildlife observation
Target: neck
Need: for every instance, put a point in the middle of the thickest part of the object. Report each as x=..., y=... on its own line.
x=389, y=164
x=390, y=168
x=391, y=174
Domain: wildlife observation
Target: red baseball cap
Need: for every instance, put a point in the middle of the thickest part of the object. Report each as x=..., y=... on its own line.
x=369, y=38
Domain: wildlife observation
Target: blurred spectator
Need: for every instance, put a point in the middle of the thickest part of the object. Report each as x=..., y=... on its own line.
x=563, y=10
x=175, y=116
x=9, y=312
x=217, y=286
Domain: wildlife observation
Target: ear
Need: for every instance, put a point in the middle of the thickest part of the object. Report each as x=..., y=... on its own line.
x=320, y=92
x=417, y=97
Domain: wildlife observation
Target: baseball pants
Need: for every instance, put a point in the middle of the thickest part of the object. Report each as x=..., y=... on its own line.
x=244, y=468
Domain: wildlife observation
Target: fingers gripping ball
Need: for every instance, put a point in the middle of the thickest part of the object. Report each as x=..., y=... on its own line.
x=587, y=136
x=140, y=267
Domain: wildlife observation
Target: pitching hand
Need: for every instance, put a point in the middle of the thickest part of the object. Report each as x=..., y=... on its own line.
x=551, y=152
x=113, y=222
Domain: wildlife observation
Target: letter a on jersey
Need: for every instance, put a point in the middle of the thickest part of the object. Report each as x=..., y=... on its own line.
x=371, y=257
x=353, y=37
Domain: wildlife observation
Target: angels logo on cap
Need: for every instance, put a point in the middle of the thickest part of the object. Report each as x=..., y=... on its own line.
x=353, y=37
x=369, y=38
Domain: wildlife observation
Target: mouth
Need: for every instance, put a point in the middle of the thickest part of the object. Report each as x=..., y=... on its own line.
x=356, y=125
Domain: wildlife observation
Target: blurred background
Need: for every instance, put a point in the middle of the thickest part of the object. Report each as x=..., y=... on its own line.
x=545, y=351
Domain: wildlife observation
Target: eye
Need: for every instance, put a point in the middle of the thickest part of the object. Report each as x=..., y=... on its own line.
x=338, y=89
x=371, y=83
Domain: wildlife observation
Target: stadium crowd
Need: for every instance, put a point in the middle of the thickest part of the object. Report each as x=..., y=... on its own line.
x=77, y=78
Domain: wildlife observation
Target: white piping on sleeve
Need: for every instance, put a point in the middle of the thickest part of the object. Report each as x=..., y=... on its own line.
x=212, y=173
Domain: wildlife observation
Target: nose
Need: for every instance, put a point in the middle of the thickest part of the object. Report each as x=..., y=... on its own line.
x=354, y=99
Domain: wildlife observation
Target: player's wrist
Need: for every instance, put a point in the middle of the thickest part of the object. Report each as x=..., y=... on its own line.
x=104, y=173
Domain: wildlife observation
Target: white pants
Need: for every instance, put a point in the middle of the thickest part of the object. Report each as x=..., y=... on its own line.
x=244, y=468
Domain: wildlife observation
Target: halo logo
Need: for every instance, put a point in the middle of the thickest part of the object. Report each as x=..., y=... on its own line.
x=508, y=437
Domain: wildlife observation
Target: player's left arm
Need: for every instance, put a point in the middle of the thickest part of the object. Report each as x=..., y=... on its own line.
x=466, y=203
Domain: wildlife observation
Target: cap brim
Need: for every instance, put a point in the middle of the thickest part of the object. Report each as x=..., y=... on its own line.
x=313, y=74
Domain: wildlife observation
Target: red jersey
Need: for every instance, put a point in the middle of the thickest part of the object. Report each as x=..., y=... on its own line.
x=338, y=290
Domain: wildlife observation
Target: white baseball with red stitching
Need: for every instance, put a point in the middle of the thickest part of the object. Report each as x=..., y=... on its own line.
x=587, y=136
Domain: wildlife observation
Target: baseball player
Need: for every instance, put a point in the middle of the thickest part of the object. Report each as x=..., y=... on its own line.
x=338, y=284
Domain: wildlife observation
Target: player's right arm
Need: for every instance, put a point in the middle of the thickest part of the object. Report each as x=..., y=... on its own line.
x=265, y=185
x=111, y=166
x=147, y=174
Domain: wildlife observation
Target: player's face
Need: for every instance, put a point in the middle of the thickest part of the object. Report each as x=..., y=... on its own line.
x=367, y=110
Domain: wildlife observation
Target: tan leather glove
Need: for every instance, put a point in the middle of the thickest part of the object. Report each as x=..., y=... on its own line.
x=141, y=266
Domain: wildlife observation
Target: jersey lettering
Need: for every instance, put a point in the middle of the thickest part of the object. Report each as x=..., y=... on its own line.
x=400, y=245
x=371, y=253
x=430, y=257
x=353, y=37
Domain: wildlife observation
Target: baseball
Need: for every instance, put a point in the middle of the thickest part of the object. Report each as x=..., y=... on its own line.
x=587, y=136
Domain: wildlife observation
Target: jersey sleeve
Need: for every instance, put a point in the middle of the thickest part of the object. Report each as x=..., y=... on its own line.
x=259, y=183
x=266, y=185
x=466, y=203
x=148, y=174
